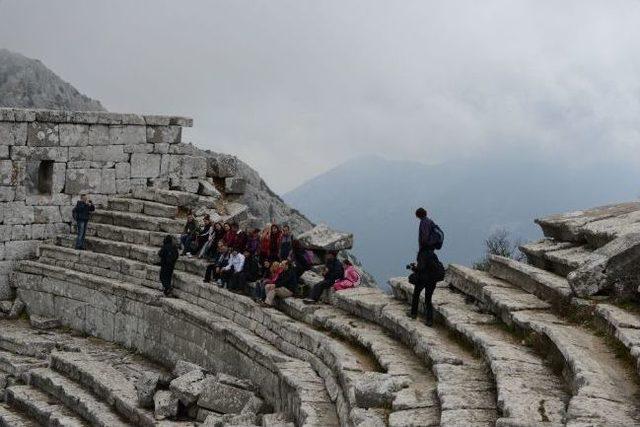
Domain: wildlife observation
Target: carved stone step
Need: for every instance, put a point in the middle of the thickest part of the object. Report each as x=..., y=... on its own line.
x=416, y=384
x=457, y=372
x=16, y=364
x=138, y=221
x=136, y=324
x=602, y=385
x=45, y=410
x=541, y=283
x=125, y=234
x=528, y=390
x=145, y=207
x=558, y=257
x=10, y=417
x=570, y=227
x=623, y=325
x=76, y=398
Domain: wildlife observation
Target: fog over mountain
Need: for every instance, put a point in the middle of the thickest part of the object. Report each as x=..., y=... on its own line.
x=28, y=83
x=376, y=198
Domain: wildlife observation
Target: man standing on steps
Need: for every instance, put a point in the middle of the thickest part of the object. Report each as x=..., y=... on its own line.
x=81, y=213
x=428, y=270
x=168, y=255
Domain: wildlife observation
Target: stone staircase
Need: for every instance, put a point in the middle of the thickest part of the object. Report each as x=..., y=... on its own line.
x=52, y=378
x=556, y=358
x=334, y=365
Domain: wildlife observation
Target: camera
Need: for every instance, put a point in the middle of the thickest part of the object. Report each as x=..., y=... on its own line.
x=410, y=266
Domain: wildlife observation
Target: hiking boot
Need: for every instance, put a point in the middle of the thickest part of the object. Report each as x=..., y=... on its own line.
x=428, y=322
x=411, y=315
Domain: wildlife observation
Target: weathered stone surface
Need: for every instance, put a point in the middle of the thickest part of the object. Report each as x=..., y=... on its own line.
x=146, y=388
x=222, y=166
x=165, y=405
x=183, y=367
x=43, y=134
x=164, y=134
x=127, y=134
x=207, y=188
x=378, y=390
x=73, y=135
x=188, y=387
x=223, y=398
x=321, y=237
x=145, y=165
x=12, y=134
x=43, y=323
x=234, y=185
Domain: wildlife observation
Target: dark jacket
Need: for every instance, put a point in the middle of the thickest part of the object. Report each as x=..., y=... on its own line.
x=168, y=256
x=191, y=227
x=82, y=211
x=288, y=279
x=335, y=270
x=251, y=268
x=428, y=267
x=423, y=233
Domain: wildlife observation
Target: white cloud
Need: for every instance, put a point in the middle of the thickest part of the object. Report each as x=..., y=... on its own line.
x=296, y=86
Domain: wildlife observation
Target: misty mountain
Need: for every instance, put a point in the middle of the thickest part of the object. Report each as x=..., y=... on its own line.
x=376, y=199
x=27, y=83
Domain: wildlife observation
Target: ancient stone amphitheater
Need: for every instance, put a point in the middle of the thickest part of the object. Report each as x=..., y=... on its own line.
x=87, y=338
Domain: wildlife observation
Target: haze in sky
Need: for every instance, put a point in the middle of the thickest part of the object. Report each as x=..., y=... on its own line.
x=295, y=87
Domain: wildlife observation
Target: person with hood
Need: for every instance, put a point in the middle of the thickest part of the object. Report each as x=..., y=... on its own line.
x=168, y=256
x=351, y=277
x=81, y=213
x=333, y=272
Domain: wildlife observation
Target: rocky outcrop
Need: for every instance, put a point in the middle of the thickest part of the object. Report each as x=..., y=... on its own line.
x=27, y=83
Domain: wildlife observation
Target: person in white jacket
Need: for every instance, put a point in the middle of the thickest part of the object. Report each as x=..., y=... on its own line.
x=235, y=272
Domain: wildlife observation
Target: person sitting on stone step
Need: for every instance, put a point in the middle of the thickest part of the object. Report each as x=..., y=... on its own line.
x=81, y=214
x=233, y=273
x=214, y=270
x=285, y=286
x=285, y=244
x=333, y=272
x=189, y=234
x=203, y=235
x=251, y=267
x=168, y=255
x=351, y=277
x=270, y=273
x=253, y=242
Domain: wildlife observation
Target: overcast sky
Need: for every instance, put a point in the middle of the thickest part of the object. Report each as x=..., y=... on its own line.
x=294, y=87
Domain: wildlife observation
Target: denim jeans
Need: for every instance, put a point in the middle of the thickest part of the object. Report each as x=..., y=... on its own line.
x=82, y=230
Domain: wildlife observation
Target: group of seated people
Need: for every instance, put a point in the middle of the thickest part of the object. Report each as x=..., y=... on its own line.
x=271, y=258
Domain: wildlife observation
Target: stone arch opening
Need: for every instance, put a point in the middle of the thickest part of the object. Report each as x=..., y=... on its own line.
x=44, y=177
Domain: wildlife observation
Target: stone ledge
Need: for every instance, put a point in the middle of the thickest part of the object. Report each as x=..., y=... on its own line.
x=90, y=117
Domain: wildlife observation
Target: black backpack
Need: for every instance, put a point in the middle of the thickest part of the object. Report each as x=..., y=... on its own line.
x=436, y=237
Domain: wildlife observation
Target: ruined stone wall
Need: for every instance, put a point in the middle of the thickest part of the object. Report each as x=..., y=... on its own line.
x=48, y=158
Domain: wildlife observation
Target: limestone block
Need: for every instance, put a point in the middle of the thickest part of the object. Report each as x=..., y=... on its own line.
x=188, y=166
x=73, y=135
x=6, y=293
x=182, y=148
x=43, y=134
x=2, y=247
x=161, y=148
x=146, y=387
x=81, y=154
x=127, y=134
x=234, y=185
x=164, y=134
x=108, y=181
x=123, y=170
x=207, y=188
x=58, y=177
x=21, y=232
x=374, y=389
x=17, y=308
x=321, y=237
x=145, y=165
x=138, y=182
x=83, y=181
x=123, y=186
x=7, y=194
x=46, y=214
x=139, y=148
x=84, y=164
x=20, y=249
x=5, y=233
x=278, y=420
x=13, y=133
x=183, y=367
x=98, y=135
x=7, y=173
x=223, y=398
x=188, y=185
x=165, y=404
x=109, y=153
x=48, y=200
x=188, y=387
x=222, y=166
x=18, y=213
x=4, y=151
x=57, y=154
